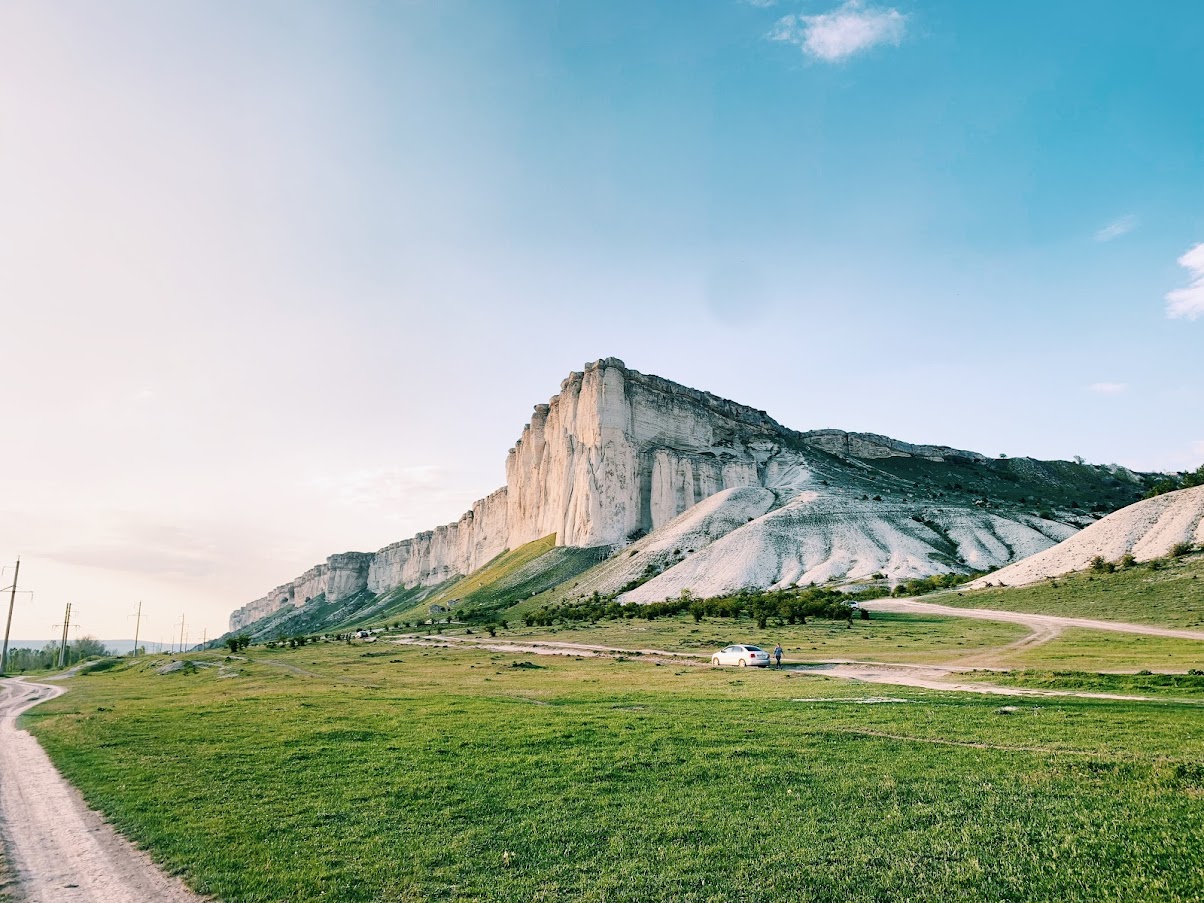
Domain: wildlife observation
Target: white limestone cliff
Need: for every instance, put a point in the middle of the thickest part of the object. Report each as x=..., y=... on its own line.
x=615, y=453
x=618, y=454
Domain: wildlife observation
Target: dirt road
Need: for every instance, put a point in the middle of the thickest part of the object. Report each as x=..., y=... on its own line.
x=60, y=850
x=1046, y=624
x=543, y=647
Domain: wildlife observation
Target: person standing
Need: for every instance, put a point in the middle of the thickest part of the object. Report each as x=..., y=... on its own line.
x=777, y=654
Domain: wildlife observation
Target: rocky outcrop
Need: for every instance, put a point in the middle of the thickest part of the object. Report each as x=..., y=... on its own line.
x=444, y=552
x=619, y=454
x=870, y=446
x=338, y=578
x=613, y=454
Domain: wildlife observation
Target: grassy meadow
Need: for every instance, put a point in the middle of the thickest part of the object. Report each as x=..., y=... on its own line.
x=911, y=639
x=376, y=772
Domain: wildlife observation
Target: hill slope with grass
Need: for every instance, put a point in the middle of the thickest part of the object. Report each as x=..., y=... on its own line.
x=1146, y=530
x=1167, y=592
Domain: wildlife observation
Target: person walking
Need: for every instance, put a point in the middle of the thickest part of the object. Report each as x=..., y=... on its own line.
x=777, y=654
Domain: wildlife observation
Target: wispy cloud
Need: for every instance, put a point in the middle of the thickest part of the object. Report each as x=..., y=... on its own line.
x=761, y=4
x=1108, y=388
x=1117, y=228
x=1188, y=303
x=842, y=32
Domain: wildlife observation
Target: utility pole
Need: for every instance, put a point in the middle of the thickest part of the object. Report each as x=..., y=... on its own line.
x=9, y=624
x=137, y=624
x=63, y=644
x=181, y=634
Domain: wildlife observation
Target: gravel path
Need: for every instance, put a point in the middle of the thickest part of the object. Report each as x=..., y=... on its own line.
x=60, y=851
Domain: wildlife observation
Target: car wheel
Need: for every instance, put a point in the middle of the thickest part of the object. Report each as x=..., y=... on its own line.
x=715, y=662
x=743, y=663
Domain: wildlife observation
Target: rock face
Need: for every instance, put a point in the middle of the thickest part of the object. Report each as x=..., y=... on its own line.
x=618, y=452
x=617, y=455
x=341, y=576
x=1145, y=530
x=614, y=453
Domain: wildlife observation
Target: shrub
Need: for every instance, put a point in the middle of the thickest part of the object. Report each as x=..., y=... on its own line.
x=1127, y=560
x=1179, y=549
x=1100, y=565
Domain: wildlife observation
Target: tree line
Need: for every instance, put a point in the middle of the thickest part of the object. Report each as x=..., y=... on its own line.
x=29, y=659
x=785, y=606
x=1177, y=481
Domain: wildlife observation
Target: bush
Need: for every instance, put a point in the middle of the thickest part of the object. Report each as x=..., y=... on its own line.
x=931, y=584
x=1173, y=483
x=1126, y=560
x=1100, y=565
x=1179, y=549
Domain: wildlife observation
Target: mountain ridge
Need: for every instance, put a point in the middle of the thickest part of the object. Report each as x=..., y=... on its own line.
x=618, y=454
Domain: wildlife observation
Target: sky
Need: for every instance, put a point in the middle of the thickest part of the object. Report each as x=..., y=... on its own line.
x=282, y=279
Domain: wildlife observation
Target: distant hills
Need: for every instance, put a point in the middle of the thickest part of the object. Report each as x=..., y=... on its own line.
x=632, y=485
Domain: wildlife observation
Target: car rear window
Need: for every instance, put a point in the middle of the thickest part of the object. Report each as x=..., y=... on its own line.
x=754, y=648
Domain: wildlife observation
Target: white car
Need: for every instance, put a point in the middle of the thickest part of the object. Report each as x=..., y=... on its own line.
x=743, y=656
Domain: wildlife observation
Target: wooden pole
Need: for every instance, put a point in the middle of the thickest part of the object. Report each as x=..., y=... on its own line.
x=12, y=597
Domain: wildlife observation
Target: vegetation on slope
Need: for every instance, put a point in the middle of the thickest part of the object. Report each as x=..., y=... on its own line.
x=1168, y=592
x=1176, y=481
x=1044, y=488
x=785, y=606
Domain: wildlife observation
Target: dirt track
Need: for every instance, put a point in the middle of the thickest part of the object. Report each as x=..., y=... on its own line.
x=941, y=677
x=60, y=850
x=1042, y=623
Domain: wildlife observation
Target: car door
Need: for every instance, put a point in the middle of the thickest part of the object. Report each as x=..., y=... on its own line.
x=730, y=655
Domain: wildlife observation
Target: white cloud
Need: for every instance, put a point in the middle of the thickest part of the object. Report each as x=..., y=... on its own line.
x=1189, y=302
x=1117, y=228
x=1108, y=388
x=844, y=31
x=761, y=4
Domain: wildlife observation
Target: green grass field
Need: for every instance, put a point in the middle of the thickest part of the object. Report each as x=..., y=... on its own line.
x=1087, y=650
x=359, y=773
x=886, y=637
x=1172, y=596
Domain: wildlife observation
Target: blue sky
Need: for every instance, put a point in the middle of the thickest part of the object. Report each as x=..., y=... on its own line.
x=284, y=279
